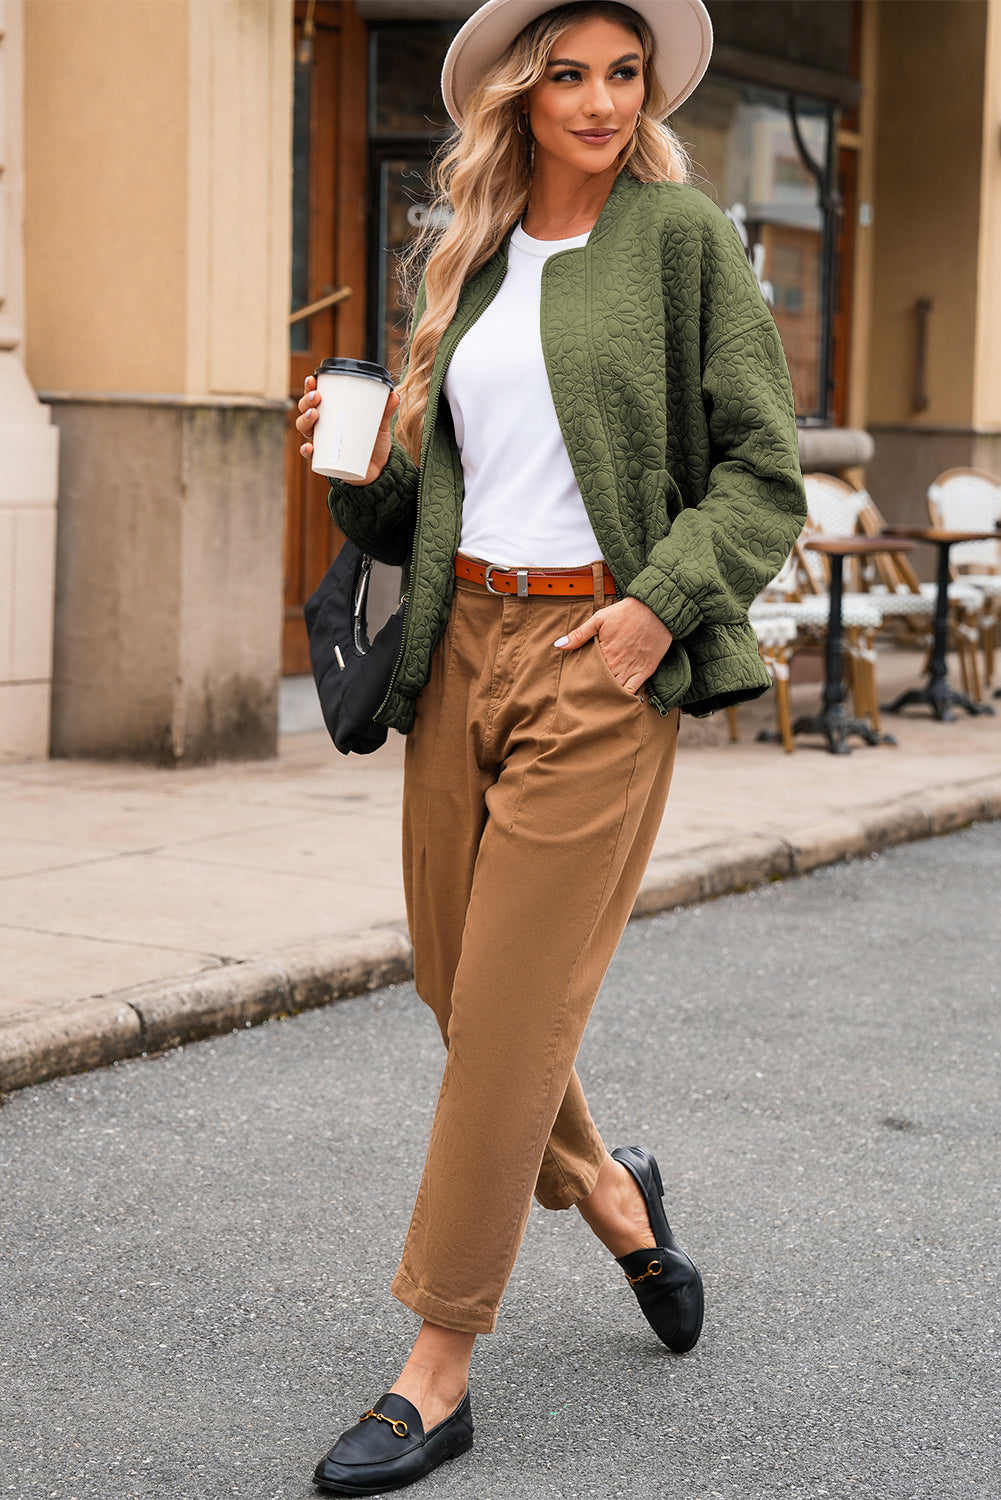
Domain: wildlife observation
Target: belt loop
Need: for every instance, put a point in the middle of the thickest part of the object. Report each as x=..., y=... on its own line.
x=598, y=574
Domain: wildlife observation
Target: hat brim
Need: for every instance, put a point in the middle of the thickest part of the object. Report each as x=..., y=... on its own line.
x=682, y=32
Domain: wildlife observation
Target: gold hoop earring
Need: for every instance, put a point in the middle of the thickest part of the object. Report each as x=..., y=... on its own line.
x=520, y=122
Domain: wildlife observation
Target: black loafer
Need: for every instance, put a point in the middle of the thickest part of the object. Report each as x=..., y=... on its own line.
x=389, y=1449
x=667, y=1285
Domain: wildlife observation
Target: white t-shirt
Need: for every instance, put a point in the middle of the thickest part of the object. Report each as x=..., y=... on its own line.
x=522, y=506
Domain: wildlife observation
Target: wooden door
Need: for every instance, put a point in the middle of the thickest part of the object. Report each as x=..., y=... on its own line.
x=328, y=256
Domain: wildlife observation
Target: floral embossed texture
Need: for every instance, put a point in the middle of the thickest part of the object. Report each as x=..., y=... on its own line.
x=673, y=396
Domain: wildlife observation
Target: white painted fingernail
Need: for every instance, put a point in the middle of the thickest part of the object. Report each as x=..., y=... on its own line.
x=564, y=640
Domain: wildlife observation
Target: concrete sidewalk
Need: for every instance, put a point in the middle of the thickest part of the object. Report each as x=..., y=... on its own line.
x=143, y=908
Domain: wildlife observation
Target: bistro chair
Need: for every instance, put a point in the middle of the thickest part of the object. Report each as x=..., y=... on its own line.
x=775, y=634
x=970, y=500
x=833, y=510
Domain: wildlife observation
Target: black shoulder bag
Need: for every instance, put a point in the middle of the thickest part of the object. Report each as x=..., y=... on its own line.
x=352, y=674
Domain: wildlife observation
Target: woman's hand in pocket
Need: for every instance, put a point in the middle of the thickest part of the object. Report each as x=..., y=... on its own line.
x=632, y=639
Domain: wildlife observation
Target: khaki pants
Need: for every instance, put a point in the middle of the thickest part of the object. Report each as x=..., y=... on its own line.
x=534, y=789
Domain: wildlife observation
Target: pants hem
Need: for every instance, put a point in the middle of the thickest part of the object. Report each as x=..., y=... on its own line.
x=436, y=1310
x=573, y=1189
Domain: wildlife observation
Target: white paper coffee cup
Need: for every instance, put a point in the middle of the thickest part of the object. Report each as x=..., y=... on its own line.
x=353, y=396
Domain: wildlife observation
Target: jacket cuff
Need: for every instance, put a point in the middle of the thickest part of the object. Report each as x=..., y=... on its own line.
x=394, y=476
x=653, y=588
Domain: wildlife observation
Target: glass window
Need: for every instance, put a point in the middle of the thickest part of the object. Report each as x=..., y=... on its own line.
x=744, y=145
x=402, y=193
x=405, y=89
x=407, y=123
x=816, y=33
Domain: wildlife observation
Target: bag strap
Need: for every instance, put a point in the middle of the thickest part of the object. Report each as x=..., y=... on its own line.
x=359, y=612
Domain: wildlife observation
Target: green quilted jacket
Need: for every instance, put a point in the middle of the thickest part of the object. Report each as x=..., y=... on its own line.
x=673, y=397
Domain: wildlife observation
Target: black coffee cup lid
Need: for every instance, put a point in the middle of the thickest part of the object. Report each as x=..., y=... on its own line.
x=355, y=367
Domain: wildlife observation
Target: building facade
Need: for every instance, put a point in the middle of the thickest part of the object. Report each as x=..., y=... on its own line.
x=28, y=451
x=200, y=199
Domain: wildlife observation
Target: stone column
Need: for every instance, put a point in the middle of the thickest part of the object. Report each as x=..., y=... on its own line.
x=934, y=380
x=28, y=452
x=158, y=165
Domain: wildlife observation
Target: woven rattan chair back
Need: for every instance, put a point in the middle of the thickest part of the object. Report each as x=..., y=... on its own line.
x=968, y=500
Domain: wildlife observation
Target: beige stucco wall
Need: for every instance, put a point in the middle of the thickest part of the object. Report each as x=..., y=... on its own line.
x=106, y=124
x=927, y=205
x=28, y=453
x=239, y=194
x=158, y=143
x=987, y=376
x=936, y=235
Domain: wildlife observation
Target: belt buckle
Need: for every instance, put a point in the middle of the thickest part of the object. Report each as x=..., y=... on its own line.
x=521, y=575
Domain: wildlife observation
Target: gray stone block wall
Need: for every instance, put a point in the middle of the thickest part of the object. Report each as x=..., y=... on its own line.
x=168, y=580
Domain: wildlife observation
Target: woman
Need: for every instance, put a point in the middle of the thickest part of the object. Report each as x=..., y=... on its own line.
x=593, y=471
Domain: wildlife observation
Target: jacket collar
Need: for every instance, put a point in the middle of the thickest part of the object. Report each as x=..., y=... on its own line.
x=623, y=188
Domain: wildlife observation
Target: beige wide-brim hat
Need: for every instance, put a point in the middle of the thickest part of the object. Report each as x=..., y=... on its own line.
x=682, y=31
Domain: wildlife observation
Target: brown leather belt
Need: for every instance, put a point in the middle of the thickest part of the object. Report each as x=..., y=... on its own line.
x=526, y=581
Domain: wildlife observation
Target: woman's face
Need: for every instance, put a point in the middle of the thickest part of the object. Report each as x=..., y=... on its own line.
x=583, y=111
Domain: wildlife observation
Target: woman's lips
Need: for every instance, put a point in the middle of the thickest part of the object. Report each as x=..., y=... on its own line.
x=593, y=137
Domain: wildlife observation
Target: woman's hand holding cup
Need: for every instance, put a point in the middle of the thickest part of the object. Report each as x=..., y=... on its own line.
x=380, y=453
x=309, y=404
x=306, y=420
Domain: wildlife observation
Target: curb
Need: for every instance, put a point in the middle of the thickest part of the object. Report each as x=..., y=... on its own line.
x=152, y=1017
x=719, y=870
x=164, y=1013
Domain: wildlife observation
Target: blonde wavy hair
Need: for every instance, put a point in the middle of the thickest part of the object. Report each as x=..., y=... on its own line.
x=481, y=178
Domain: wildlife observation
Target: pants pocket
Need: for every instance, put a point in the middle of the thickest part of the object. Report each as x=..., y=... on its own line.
x=610, y=676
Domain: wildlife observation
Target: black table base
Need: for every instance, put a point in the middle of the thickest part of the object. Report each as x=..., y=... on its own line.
x=937, y=694
x=835, y=725
x=941, y=699
x=832, y=721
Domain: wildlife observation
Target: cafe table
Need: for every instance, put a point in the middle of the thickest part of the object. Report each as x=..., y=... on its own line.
x=937, y=693
x=832, y=721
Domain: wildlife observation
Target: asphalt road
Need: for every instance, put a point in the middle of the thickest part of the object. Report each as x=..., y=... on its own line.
x=195, y=1248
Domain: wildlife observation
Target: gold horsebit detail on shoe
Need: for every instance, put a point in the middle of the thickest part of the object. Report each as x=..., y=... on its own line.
x=400, y=1428
x=653, y=1269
